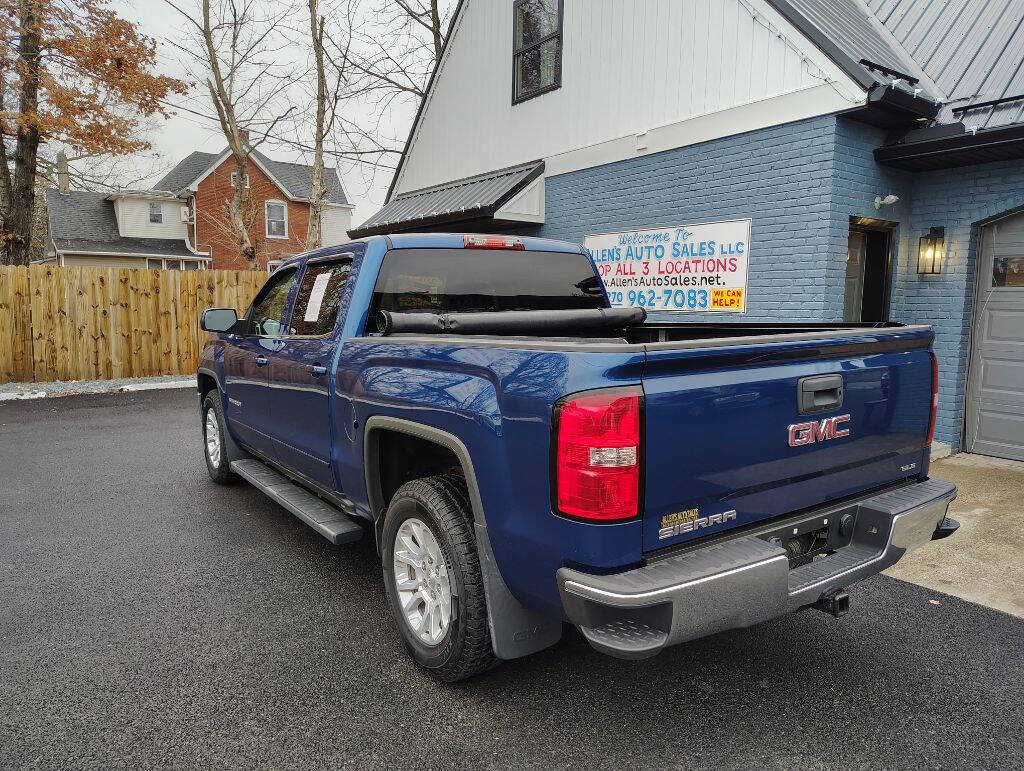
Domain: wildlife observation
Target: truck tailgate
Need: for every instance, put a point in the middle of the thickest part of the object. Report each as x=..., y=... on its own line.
x=726, y=443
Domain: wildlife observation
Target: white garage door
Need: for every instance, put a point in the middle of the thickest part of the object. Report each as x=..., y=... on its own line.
x=995, y=401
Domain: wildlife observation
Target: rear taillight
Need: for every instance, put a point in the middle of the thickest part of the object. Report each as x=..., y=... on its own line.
x=597, y=454
x=935, y=398
x=493, y=242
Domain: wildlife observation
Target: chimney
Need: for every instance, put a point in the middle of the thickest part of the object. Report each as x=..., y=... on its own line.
x=63, y=176
x=243, y=134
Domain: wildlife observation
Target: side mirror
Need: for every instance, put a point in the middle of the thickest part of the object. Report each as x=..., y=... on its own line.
x=218, y=319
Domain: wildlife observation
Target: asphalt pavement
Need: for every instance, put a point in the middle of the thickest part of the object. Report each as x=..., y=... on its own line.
x=151, y=618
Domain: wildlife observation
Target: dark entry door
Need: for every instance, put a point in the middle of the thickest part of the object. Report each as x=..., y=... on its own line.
x=868, y=258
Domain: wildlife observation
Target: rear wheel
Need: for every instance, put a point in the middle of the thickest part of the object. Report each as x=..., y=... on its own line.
x=214, y=445
x=432, y=578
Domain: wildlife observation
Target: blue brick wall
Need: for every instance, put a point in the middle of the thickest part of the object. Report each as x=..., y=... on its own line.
x=961, y=200
x=779, y=177
x=799, y=184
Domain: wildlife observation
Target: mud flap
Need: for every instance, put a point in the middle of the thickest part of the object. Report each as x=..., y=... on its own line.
x=515, y=631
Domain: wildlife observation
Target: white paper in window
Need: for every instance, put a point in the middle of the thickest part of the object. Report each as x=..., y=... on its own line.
x=316, y=297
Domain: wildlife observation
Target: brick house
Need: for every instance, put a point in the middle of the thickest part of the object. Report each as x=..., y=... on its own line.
x=181, y=224
x=868, y=155
x=278, y=194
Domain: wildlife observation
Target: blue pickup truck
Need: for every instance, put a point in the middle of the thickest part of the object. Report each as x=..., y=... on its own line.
x=524, y=455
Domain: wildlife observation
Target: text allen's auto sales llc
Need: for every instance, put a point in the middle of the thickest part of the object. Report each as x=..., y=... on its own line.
x=681, y=268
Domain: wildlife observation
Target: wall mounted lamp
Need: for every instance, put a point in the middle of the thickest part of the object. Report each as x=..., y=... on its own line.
x=932, y=252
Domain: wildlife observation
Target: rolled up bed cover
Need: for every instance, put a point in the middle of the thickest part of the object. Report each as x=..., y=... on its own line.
x=532, y=323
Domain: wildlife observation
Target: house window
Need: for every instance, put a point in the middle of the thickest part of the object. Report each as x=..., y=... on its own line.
x=168, y=263
x=536, y=48
x=277, y=219
x=156, y=212
x=234, y=178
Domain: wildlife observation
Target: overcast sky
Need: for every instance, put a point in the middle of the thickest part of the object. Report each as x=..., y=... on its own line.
x=182, y=133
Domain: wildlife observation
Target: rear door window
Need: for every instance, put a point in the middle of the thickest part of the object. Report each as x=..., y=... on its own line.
x=467, y=280
x=319, y=297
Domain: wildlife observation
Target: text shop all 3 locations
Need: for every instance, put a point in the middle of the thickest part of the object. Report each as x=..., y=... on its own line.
x=681, y=268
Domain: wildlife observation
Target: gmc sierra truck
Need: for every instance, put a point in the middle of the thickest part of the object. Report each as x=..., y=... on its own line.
x=525, y=455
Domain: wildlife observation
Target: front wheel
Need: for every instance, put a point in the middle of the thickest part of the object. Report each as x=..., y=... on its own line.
x=214, y=443
x=432, y=578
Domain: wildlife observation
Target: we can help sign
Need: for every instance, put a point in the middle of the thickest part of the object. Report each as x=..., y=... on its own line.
x=686, y=268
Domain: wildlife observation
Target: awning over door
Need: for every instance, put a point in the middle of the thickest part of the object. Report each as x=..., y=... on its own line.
x=514, y=194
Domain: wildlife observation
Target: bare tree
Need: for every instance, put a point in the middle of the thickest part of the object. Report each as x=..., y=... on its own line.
x=237, y=50
x=327, y=100
x=386, y=51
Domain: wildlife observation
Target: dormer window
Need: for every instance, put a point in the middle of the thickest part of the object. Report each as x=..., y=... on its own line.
x=536, y=48
x=234, y=179
x=156, y=212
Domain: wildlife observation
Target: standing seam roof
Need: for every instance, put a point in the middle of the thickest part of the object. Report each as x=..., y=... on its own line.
x=972, y=50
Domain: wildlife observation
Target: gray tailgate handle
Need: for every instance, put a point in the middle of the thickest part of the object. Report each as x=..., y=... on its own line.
x=820, y=393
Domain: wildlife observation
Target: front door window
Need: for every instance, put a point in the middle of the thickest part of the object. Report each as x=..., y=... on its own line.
x=266, y=318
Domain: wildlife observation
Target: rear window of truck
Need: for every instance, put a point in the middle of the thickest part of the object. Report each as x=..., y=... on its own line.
x=470, y=280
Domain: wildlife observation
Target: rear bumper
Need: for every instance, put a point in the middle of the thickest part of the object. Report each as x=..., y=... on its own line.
x=746, y=580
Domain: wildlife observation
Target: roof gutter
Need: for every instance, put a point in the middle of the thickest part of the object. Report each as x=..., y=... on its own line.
x=200, y=256
x=894, y=108
x=940, y=150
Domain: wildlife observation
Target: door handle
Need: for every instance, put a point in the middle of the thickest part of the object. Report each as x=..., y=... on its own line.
x=261, y=361
x=319, y=369
x=820, y=393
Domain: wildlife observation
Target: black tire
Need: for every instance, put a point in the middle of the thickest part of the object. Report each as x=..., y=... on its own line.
x=442, y=503
x=220, y=472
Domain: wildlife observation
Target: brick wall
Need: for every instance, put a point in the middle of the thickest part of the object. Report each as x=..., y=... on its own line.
x=212, y=224
x=800, y=183
x=961, y=200
x=779, y=177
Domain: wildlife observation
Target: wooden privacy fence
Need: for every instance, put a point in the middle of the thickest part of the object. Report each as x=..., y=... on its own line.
x=101, y=323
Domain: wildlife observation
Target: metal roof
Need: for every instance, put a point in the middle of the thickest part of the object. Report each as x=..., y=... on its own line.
x=464, y=199
x=844, y=31
x=963, y=52
x=972, y=49
x=82, y=221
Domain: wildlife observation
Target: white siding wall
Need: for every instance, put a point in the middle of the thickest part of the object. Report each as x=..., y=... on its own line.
x=628, y=66
x=335, y=222
x=103, y=261
x=133, y=219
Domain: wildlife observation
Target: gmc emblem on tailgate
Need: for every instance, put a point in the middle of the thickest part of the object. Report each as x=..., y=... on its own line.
x=817, y=430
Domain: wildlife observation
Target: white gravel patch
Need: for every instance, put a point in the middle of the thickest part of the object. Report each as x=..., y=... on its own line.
x=19, y=391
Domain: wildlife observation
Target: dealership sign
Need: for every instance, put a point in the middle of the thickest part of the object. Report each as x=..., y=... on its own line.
x=680, y=268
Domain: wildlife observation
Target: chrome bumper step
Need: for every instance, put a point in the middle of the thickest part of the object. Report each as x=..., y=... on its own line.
x=746, y=580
